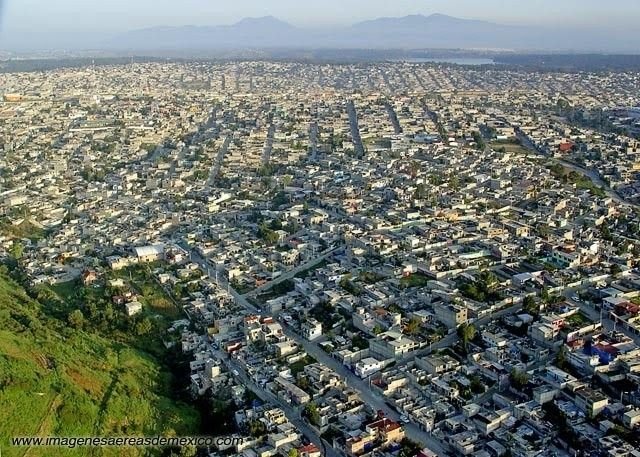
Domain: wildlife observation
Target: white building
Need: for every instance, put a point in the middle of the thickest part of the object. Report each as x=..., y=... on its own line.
x=367, y=367
x=311, y=329
x=133, y=308
x=150, y=253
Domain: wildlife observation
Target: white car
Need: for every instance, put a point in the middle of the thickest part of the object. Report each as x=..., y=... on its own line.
x=235, y=373
x=575, y=298
x=404, y=419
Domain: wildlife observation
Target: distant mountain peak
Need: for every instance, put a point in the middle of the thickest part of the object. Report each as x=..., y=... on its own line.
x=441, y=16
x=417, y=20
x=422, y=17
x=264, y=21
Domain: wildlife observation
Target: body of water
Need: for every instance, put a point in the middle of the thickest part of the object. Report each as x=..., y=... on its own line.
x=453, y=60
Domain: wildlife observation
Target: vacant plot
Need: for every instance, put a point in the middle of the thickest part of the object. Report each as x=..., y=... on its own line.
x=512, y=147
x=414, y=280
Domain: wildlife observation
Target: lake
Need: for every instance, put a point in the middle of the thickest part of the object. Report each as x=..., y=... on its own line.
x=453, y=60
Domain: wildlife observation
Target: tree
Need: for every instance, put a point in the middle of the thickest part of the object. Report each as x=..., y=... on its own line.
x=257, y=428
x=46, y=295
x=293, y=452
x=76, y=319
x=489, y=279
x=543, y=230
x=17, y=250
x=143, y=327
x=267, y=234
x=409, y=448
x=466, y=332
x=561, y=358
x=94, y=313
x=476, y=385
x=480, y=144
x=544, y=294
x=311, y=413
x=109, y=313
x=275, y=224
x=605, y=232
x=519, y=379
x=188, y=451
x=454, y=182
x=413, y=326
x=530, y=305
x=304, y=383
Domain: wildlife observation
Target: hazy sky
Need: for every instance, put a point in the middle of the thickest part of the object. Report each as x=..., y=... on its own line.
x=116, y=15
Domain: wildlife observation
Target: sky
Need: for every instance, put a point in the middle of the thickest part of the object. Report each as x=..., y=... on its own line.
x=100, y=16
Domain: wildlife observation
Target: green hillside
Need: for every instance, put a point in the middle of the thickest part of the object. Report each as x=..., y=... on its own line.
x=59, y=381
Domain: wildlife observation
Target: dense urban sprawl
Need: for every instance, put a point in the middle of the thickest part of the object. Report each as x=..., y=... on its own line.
x=365, y=260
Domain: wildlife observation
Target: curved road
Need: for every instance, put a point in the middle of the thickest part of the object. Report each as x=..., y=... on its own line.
x=593, y=175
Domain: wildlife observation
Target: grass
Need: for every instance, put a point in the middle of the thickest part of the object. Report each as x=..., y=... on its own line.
x=55, y=380
x=298, y=367
x=370, y=277
x=414, y=280
x=156, y=299
x=277, y=290
x=581, y=181
x=306, y=273
x=584, y=183
x=152, y=295
x=578, y=320
x=65, y=290
x=24, y=230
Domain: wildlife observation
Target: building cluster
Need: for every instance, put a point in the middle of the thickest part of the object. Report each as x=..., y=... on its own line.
x=390, y=259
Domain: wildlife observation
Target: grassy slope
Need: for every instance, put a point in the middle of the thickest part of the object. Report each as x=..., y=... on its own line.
x=58, y=381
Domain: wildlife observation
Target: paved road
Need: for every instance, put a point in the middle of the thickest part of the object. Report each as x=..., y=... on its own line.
x=363, y=389
x=291, y=273
x=268, y=145
x=452, y=338
x=597, y=180
x=393, y=118
x=368, y=396
x=373, y=399
x=234, y=367
x=593, y=175
x=222, y=282
x=313, y=140
x=355, y=129
x=217, y=164
x=378, y=401
x=599, y=316
x=292, y=413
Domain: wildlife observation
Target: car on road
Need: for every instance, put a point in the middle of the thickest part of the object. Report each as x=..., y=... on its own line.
x=235, y=373
x=404, y=419
x=575, y=298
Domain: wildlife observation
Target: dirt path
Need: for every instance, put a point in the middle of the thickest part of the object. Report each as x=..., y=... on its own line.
x=45, y=425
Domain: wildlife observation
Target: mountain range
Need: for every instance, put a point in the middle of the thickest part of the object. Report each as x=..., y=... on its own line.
x=436, y=31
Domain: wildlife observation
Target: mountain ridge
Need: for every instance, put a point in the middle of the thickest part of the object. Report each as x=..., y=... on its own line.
x=407, y=32
x=417, y=31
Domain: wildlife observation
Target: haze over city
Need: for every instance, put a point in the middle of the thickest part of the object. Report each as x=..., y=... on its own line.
x=77, y=24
